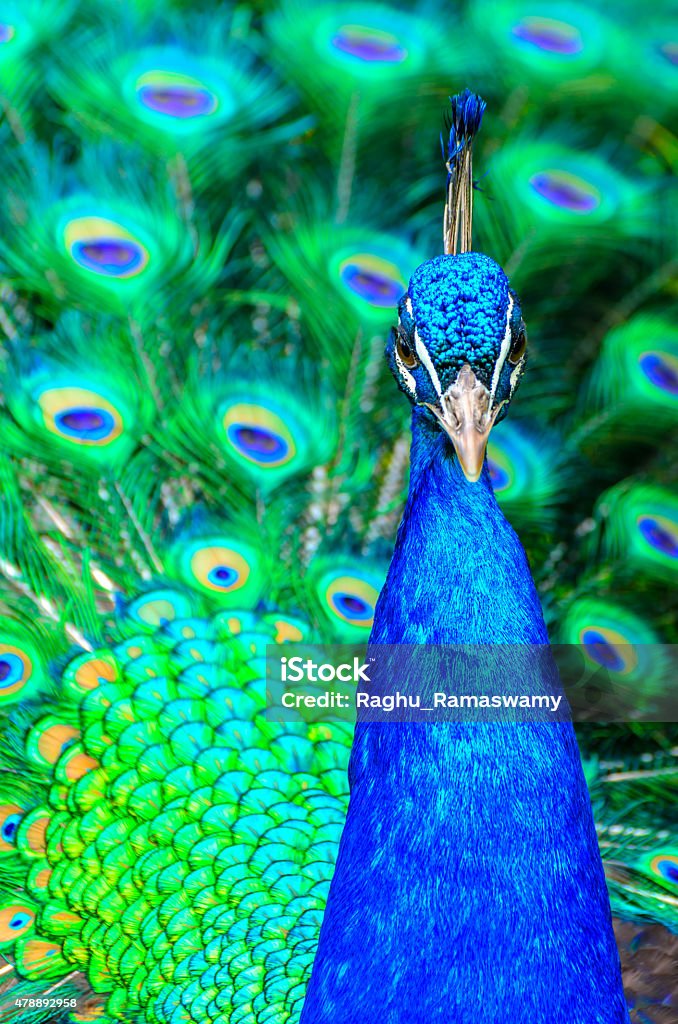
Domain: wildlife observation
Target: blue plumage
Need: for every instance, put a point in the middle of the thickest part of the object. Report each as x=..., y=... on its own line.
x=469, y=886
x=466, y=114
x=459, y=574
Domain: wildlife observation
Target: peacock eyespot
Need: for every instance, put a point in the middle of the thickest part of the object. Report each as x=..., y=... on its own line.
x=405, y=352
x=518, y=346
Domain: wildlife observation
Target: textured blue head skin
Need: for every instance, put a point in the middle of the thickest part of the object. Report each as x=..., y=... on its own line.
x=459, y=305
x=459, y=309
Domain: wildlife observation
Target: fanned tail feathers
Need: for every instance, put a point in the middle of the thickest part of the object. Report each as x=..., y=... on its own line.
x=201, y=249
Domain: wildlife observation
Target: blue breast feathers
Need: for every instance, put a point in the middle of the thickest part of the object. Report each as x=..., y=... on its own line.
x=468, y=887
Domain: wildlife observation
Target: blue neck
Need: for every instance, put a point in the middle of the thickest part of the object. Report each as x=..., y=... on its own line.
x=459, y=573
x=468, y=885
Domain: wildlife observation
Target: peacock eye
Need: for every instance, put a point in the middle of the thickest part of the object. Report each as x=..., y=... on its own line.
x=404, y=350
x=518, y=346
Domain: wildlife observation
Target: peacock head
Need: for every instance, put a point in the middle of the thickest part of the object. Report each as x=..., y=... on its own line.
x=459, y=349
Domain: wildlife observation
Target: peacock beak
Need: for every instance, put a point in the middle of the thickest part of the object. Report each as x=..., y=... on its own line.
x=466, y=416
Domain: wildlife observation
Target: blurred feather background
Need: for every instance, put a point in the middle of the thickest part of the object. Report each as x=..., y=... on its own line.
x=207, y=215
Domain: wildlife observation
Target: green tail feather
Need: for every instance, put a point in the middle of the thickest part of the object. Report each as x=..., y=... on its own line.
x=204, y=103
x=104, y=236
x=157, y=771
x=635, y=802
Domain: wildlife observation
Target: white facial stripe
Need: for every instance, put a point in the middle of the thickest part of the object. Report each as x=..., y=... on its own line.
x=515, y=374
x=425, y=360
x=408, y=306
x=410, y=382
x=503, y=351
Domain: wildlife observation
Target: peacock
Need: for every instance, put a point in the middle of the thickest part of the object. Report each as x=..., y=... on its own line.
x=468, y=878
x=208, y=218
